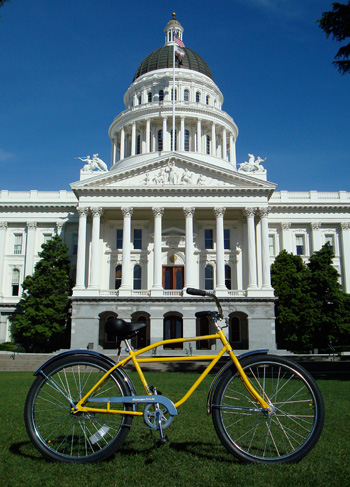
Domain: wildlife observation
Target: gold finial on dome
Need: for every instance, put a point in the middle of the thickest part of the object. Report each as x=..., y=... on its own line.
x=174, y=16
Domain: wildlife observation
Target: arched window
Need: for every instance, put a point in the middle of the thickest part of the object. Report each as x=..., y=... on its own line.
x=228, y=279
x=139, y=99
x=15, y=282
x=137, y=277
x=186, y=95
x=118, y=276
x=187, y=140
x=138, y=145
x=173, y=328
x=171, y=140
x=207, y=99
x=198, y=97
x=161, y=95
x=238, y=331
x=208, y=144
x=160, y=140
x=209, y=277
x=149, y=97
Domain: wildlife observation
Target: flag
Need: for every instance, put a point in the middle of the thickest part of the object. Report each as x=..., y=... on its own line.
x=178, y=41
x=180, y=52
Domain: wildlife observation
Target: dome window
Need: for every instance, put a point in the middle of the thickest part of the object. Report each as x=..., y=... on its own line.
x=207, y=99
x=187, y=140
x=172, y=94
x=198, y=97
x=160, y=140
x=161, y=95
x=208, y=144
x=186, y=95
x=138, y=148
x=149, y=97
x=139, y=99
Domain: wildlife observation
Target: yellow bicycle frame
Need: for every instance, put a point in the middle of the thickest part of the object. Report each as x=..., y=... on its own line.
x=133, y=356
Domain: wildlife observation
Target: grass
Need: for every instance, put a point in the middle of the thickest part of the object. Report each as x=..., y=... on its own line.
x=193, y=457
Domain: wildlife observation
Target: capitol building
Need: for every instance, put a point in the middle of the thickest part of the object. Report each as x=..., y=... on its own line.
x=172, y=209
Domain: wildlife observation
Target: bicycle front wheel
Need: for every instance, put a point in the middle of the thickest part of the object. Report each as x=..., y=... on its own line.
x=284, y=435
x=62, y=436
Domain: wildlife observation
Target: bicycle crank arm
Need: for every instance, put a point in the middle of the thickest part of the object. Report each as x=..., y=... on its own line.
x=152, y=399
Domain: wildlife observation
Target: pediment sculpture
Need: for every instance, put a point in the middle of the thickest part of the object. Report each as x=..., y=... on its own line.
x=173, y=175
x=93, y=164
x=253, y=165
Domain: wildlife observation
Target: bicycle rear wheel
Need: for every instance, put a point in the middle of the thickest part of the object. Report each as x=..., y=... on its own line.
x=62, y=436
x=289, y=431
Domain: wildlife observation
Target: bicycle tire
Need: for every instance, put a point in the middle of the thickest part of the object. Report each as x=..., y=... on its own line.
x=62, y=436
x=286, y=434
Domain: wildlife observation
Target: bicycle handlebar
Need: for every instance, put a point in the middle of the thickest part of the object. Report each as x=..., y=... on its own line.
x=200, y=292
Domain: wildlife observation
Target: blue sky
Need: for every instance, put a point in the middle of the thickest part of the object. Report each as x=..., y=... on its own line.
x=65, y=66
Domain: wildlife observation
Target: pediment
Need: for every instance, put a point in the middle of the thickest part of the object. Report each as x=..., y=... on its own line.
x=172, y=172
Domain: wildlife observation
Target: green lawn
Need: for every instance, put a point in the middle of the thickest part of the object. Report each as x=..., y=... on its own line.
x=193, y=457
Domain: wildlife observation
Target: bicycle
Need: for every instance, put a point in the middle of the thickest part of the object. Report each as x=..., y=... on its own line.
x=82, y=404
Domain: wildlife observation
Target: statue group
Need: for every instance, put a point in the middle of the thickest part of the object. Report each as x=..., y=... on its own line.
x=92, y=164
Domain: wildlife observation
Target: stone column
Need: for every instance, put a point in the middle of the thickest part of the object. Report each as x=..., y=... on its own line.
x=3, y=228
x=189, y=248
x=252, y=282
x=199, y=135
x=182, y=135
x=95, y=250
x=81, y=256
x=126, y=254
x=29, y=265
x=133, y=138
x=148, y=135
x=220, y=253
x=157, y=288
x=224, y=144
x=232, y=151
x=165, y=135
x=265, y=255
x=345, y=240
x=122, y=144
x=213, y=139
x=316, y=236
x=286, y=237
x=114, y=149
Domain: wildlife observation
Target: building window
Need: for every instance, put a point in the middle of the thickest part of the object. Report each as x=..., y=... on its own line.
x=172, y=94
x=171, y=139
x=187, y=140
x=160, y=140
x=118, y=276
x=137, y=277
x=228, y=279
x=209, y=277
x=74, y=244
x=208, y=238
x=186, y=95
x=207, y=100
x=161, y=95
x=173, y=328
x=208, y=144
x=138, y=238
x=227, y=238
x=198, y=97
x=330, y=240
x=149, y=95
x=119, y=238
x=139, y=100
x=138, y=145
x=15, y=282
x=272, y=251
x=18, y=244
x=300, y=244
x=235, y=330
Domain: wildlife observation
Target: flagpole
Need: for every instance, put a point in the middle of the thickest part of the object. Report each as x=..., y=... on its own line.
x=173, y=142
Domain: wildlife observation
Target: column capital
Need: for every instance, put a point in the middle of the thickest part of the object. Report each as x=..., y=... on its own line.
x=127, y=212
x=219, y=212
x=264, y=212
x=32, y=225
x=315, y=225
x=82, y=211
x=189, y=212
x=3, y=225
x=96, y=211
x=286, y=225
x=158, y=211
x=345, y=225
x=249, y=212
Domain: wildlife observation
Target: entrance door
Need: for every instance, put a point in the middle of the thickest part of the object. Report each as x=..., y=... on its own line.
x=173, y=277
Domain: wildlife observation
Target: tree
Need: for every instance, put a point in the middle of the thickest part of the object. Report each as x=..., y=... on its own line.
x=337, y=24
x=294, y=307
x=332, y=312
x=41, y=317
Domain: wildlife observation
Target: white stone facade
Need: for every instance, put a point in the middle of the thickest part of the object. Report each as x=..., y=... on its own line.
x=165, y=217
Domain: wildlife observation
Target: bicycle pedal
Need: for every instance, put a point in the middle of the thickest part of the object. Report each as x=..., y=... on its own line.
x=161, y=441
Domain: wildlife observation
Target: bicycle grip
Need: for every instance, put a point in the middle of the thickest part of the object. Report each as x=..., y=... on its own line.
x=195, y=292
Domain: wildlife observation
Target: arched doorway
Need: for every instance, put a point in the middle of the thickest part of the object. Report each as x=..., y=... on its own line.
x=173, y=328
x=104, y=340
x=142, y=339
x=238, y=331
